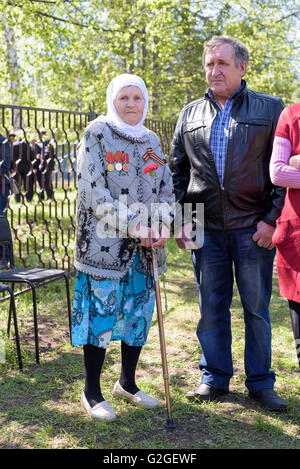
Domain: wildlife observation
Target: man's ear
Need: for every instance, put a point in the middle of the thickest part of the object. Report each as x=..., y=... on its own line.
x=244, y=68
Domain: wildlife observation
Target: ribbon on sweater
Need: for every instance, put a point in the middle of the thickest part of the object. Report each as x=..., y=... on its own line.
x=151, y=154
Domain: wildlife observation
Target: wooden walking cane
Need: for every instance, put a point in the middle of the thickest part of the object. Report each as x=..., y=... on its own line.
x=170, y=423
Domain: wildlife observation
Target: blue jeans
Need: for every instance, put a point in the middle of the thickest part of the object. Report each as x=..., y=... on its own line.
x=214, y=273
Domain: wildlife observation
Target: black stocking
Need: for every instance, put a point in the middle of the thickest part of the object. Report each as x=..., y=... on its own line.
x=295, y=317
x=93, y=361
x=130, y=356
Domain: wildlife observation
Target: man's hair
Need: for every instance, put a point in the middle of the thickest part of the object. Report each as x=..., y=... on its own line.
x=240, y=51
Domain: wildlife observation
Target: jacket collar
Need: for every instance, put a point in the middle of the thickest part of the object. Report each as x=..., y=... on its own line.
x=237, y=95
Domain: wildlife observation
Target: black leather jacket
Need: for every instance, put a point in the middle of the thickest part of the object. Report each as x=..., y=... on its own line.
x=247, y=194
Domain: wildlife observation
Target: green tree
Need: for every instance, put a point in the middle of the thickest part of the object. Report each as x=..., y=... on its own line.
x=67, y=51
x=268, y=32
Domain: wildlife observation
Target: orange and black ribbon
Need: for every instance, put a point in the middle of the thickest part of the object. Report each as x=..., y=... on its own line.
x=151, y=154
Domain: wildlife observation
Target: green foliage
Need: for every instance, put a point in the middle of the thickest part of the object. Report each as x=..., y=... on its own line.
x=265, y=28
x=69, y=51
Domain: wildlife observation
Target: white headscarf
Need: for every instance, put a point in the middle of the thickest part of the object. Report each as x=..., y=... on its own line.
x=113, y=88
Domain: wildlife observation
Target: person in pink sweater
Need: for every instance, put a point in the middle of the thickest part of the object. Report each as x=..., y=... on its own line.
x=285, y=172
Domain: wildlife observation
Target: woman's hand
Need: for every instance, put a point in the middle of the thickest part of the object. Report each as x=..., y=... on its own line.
x=160, y=239
x=294, y=161
x=144, y=234
x=150, y=237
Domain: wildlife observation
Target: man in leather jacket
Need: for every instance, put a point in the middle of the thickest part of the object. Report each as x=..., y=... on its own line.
x=220, y=157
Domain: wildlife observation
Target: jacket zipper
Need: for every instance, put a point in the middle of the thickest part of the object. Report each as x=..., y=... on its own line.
x=225, y=168
x=246, y=133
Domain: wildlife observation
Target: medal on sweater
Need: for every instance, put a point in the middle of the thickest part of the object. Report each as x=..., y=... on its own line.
x=118, y=166
x=151, y=154
x=119, y=157
x=126, y=161
x=110, y=159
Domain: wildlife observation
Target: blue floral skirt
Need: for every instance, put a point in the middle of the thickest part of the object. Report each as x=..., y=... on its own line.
x=106, y=309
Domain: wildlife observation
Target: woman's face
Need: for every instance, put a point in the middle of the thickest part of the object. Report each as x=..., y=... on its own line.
x=130, y=104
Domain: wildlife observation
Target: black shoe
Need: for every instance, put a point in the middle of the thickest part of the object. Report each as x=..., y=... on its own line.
x=204, y=392
x=269, y=399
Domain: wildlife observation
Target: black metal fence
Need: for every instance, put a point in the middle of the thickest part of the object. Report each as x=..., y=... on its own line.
x=38, y=179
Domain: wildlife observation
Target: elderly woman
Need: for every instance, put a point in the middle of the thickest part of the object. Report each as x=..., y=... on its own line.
x=117, y=221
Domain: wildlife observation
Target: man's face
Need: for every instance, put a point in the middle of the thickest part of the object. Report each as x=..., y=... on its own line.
x=222, y=74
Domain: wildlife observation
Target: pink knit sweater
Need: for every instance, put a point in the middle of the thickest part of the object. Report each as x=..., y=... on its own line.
x=280, y=172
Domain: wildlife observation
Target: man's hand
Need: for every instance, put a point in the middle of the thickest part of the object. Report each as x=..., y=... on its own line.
x=263, y=235
x=184, y=237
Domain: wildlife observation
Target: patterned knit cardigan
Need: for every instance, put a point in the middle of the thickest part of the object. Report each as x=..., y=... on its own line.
x=114, y=194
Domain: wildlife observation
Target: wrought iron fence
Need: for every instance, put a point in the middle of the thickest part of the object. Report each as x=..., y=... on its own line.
x=38, y=181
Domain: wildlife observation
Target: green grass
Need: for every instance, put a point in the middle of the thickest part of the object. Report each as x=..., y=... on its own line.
x=39, y=407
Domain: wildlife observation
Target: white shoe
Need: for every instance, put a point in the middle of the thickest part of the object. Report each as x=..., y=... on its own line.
x=102, y=411
x=140, y=398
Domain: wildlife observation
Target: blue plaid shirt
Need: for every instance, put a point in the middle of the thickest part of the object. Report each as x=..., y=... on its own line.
x=219, y=132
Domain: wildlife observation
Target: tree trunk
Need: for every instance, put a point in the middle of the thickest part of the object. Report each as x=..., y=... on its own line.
x=13, y=71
